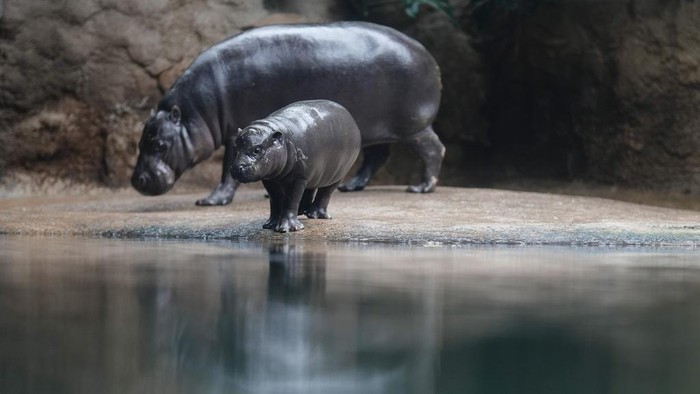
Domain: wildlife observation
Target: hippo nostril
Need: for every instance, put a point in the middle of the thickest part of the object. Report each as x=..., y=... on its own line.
x=143, y=179
x=237, y=170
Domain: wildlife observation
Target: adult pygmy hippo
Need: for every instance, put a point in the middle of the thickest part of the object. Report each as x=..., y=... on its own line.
x=301, y=153
x=388, y=82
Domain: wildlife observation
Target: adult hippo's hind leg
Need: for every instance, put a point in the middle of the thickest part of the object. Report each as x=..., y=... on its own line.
x=223, y=192
x=373, y=157
x=428, y=147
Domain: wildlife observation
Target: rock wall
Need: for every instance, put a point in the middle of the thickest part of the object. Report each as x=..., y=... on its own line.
x=566, y=89
x=606, y=91
x=77, y=78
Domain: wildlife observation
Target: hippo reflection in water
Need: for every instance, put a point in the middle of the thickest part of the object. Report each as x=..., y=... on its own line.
x=387, y=81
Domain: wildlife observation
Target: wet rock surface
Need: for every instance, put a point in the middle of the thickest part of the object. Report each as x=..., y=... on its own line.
x=450, y=216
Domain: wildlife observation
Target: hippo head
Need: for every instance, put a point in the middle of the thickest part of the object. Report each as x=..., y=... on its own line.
x=163, y=153
x=261, y=154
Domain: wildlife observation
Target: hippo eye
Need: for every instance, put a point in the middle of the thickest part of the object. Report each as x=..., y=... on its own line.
x=161, y=146
x=257, y=150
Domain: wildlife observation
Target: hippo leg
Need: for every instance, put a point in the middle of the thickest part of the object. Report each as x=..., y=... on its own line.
x=306, y=201
x=290, y=207
x=373, y=157
x=319, y=208
x=428, y=147
x=223, y=192
x=276, y=193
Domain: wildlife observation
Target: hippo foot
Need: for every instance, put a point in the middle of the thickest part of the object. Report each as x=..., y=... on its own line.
x=221, y=195
x=209, y=201
x=288, y=225
x=353, y=185
x=270, y=224
x=425, y=187
x=317, y=213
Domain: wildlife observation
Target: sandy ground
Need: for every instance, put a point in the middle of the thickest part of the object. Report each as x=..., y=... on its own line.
x=450, y=216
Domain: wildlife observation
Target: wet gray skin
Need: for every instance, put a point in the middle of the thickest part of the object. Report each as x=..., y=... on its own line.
x=386, y=80
x=301, y=153
x=164, y=137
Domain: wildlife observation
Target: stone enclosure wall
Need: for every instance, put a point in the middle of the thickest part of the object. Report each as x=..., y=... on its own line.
x=78, y=78
x=563, y=89
x=611, y=89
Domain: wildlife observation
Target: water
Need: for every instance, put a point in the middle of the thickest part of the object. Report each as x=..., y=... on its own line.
x=109, y=316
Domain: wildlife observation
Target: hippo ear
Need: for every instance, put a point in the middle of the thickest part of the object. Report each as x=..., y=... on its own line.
x=276, y=137
x=153, y=112
x=175, y=114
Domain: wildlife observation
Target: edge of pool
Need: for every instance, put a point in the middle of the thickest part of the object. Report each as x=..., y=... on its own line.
x=450, y=216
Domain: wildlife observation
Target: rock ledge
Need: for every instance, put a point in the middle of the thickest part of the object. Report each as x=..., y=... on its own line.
x=450, y=216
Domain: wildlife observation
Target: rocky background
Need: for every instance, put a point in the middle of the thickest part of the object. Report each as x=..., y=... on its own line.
x=600, y=91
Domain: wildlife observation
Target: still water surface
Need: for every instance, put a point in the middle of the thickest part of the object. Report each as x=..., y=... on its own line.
x=108, y=316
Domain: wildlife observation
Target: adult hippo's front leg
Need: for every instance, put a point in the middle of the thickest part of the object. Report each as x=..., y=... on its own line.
x=373, y=157
x=223, y=192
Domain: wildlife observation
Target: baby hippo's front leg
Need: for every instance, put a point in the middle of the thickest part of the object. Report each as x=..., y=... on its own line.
x=288, y=220
x=276, y=194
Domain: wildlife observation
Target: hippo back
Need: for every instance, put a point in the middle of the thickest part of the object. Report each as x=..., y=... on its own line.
x=387, y=81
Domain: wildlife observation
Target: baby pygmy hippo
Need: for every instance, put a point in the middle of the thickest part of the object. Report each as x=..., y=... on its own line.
x=301, y=153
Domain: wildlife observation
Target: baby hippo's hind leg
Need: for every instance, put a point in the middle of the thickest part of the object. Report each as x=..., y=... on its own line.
x=306, y=201
x=319, y=207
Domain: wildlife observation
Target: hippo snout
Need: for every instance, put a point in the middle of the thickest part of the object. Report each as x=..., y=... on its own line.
x=139, y=182
x=153, y=180
x=142, y=182
x=243, y=172
x=147, y=186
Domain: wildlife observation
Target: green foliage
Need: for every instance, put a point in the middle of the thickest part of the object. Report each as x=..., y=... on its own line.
x=413, y=6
